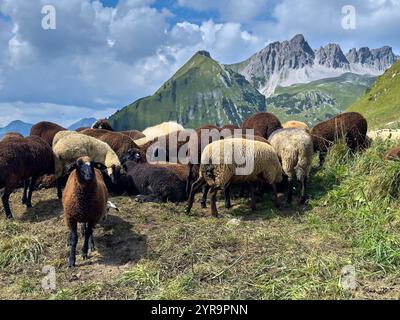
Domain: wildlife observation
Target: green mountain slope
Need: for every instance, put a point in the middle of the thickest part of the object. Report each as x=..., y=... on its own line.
x=316, y=101
x=202, y=91
x=381, y=104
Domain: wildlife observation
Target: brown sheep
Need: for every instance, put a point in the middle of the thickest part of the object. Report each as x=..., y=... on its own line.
x=84, y=201
x=102, y=124
x=119, y=142
x=350, y=126
x=11, y=135
x=263, y=124
x=20, y=160
x=46, y=130
x=393, y=154
x=133, y=134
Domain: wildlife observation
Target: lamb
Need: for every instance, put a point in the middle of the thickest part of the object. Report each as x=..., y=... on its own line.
x=20, y=160
x=155, y=182
x=102, y=124
x=68, y=146
x=384, y=134
x=263, y=124
x=119, y=142
x=84, y=201
x=46, y=130
x=296, y=125
x=295, y=151
x=350, y=126
x=158, y=131
x=219, y=168
x=393, y=154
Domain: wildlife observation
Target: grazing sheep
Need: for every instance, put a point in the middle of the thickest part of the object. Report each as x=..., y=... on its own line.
x=102, y=124
x=84, y=201
x=155, y=182
x=160, y=130
x=296, y=125
x=384, y=134
x=295, y=151
x=46, y=130
x=68, y=146
x=393, y=154
x=218, y=168
x=119, y=142
x=22, y=159
x=133, y=134
x=263, y=124
x=350, y=126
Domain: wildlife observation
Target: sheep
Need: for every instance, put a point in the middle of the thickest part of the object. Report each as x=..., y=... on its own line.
x=219, y=168
x=393, y=154
x=296, y=125
x=155, y=182
x=11, y=136
x=81, y=129
x=119, y=142
x=295, y=151
x=158, y=131
x=350, y=126
x=133, y=134
x=390, y=134
x=102, y=124
x=22, y=159
x=263, y=124
x=46, y=130
x=84, y=201
x=68, y=146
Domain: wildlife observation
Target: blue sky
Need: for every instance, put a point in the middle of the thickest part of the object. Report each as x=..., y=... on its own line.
x=105, y=55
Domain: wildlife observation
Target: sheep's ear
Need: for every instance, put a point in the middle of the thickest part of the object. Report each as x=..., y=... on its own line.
x=100, y=166
x=71, y=167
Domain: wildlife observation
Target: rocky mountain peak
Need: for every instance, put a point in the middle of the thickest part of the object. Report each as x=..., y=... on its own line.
x=331, y=56
x=204, y=53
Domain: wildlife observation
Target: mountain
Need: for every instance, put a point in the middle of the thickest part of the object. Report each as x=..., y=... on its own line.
x=282, y=64
x=318, y=100
x=85, y=122
x=202, y=91
x=16, y=126
x=381, y=104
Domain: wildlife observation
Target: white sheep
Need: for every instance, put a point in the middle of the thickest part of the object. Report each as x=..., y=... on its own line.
x=235, y=161
x=391, y=134
x=159, y=130
x=295, y=151
x=296, y=125
x=68, y=146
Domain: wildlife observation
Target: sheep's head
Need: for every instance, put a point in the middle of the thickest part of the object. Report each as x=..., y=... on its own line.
x=102, y=124
x=115, y=173
x=85, y=168
x=135, y=155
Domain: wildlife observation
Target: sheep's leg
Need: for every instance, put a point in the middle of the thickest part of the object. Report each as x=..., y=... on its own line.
x=275, y=192
x=195, y=187
x=31, y=188
x=213, y=196
x=322, y=156
x=304, y=196
x=6, y=204
x=189, y=179
x=73, y=244
x=253, y=197
x=227, y=196
x=92, y=247
x=203, y=201
x=59, y=188
x=88, y=235
x=290, y=191
x=24, y=195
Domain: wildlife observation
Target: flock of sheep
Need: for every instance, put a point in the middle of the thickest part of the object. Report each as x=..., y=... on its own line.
x=86, y=164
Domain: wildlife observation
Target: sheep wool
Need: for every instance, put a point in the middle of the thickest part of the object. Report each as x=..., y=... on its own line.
x=384, y=134
x=162, y=129
x=296, y=125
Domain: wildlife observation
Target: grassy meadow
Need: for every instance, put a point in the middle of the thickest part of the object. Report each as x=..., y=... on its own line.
x=156, y=251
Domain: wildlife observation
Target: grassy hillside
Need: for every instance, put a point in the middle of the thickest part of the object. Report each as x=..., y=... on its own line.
x=156, y=251
x=381, y=104
x=316, y=101
x=201, y=92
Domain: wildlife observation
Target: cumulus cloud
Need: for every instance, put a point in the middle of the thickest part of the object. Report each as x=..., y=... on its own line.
x=102, y=58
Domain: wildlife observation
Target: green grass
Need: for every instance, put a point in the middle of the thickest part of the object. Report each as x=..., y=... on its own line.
x=381, y=104
x=353, y=218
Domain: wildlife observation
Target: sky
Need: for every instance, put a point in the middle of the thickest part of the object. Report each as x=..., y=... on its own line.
x=103, y=55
